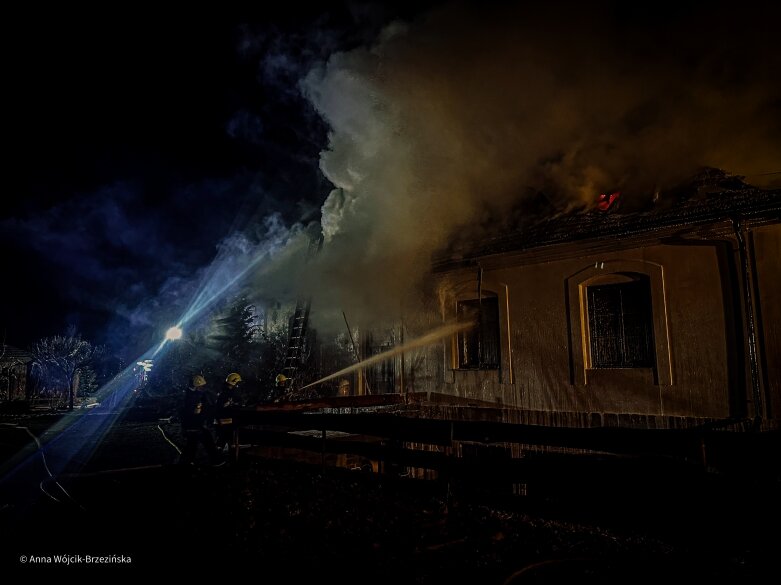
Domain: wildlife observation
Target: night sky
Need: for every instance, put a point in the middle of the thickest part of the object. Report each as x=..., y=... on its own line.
x=135, y=144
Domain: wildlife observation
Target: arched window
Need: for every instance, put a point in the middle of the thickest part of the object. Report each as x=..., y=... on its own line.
x=481, y=353
x=618, y=320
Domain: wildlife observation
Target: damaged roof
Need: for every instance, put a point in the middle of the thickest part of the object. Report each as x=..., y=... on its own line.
x=699, y=207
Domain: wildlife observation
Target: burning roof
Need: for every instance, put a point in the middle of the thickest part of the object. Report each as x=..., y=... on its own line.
x=712, y=196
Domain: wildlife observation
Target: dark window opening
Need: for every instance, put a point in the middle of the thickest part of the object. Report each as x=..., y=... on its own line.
x=620, y=325
x=478, y=347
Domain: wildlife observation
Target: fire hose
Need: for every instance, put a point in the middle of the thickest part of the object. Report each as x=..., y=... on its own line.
x=45, y=466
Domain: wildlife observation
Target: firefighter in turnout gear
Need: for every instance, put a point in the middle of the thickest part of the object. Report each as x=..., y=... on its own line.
x=196, y=414
x=280, y=383
x=227, y=399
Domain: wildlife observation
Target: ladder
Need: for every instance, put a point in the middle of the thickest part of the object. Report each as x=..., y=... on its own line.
x=298, y=325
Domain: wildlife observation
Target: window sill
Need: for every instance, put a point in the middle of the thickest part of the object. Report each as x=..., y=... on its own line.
x=612, y=376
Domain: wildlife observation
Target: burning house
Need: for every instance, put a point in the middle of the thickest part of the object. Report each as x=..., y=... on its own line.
x=649, y=310
x=611, y=330
x=662, y=317
x=655, y=319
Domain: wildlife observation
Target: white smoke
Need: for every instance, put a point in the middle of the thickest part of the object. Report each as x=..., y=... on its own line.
x=446, y=122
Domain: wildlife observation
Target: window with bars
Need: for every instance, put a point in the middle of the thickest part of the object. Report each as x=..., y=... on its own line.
x=478, y=347
x=620, y=325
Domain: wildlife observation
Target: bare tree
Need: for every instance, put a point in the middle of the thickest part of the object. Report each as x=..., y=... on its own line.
x=60, y=360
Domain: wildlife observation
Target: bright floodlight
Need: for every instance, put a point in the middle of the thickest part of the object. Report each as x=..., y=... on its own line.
x=173, y=333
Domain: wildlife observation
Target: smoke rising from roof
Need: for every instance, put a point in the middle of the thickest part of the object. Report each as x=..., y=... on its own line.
x=448, y=122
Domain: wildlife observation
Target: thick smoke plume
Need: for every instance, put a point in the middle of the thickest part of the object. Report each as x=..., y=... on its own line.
x=449, y=122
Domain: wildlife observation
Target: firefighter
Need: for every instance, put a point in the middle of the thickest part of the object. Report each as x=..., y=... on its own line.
x=196, y=414
x=227, y=399
x=279, y=387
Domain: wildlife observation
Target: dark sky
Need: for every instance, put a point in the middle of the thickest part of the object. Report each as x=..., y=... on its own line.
x=136, y=144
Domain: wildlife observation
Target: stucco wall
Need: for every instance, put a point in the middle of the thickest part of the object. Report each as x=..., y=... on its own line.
x=693, y=378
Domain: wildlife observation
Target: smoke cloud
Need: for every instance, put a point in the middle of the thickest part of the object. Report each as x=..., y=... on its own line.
x=445, y=123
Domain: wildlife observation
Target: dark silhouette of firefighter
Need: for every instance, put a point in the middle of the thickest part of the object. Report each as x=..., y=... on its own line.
x=278, y=391
x=226, y=401
x=196, y=415
x=280, y=384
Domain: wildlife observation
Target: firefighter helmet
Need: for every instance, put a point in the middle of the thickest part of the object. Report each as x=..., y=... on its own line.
x=233, y=379
x=198, y=381
x=281, y=379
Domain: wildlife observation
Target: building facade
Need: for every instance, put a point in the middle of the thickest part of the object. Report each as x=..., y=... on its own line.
x=655, y=318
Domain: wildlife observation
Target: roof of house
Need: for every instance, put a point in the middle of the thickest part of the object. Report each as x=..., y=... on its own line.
x=698, y=207
x=9, y=353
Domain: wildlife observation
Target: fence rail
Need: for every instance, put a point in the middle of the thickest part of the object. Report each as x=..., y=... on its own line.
x=382, y=426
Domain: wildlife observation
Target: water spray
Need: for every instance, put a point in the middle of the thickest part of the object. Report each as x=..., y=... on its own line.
x=423, y=341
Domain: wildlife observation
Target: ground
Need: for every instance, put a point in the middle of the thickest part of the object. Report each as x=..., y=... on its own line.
x=300, y=522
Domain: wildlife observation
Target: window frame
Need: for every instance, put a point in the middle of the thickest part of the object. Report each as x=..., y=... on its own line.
x=462, y=287
x=610, y=272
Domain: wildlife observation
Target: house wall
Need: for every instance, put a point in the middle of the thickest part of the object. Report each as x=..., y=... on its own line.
x=696, y=373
